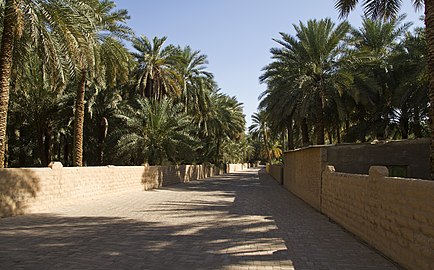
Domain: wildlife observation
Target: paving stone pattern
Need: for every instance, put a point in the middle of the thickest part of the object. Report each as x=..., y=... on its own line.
x=237, y=221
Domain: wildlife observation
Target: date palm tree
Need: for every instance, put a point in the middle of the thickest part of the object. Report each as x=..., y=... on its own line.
x=156, y=68
x=224, y=121
x=314, y=51
x=373, y=73
x=196, y=80
x=58, y=26
x=386, y=9
x=261, y=131
x=103, y=58
x=157, y=130
x=283, y=99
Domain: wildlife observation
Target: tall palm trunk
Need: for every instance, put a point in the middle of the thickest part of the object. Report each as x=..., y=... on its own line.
x=267, y=148
x=289, y=129
x=429, y=28
x=304, y=132
x=148, y=89
x=48, y=145
x=403, y=122
x=217, y=158
x=103, y=128
x=319, y=127
x=417, y=127
x=78, y=122
x=66, y=151
x=6, y=53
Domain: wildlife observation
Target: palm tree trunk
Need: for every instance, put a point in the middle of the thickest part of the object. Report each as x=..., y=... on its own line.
x=266, y=146
x=78, y=122
x=22, y=154
x=417, y=127
x=217, y=158
x=102, y=136
x=403, y=123
x=66, y=151
x=148, y=89
x=429, y=28
x=319, y=127
x=304, y=132
x=6, y=53
x=330, y=136
x=41, y=146
x=48, y=145
x=7, y=156
x=289, y=129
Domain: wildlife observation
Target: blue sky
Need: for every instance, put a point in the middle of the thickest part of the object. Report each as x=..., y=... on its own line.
x=236, y=35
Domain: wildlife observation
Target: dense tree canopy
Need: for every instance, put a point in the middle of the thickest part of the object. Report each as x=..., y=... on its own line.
x=345, y=85
x=84, y=99
x=71, y=91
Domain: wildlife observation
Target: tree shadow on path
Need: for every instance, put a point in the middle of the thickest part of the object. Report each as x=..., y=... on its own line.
x=237, y=220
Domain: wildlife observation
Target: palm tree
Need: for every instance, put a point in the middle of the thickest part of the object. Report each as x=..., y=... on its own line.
x=57, y=26
x=374, y=83
x=237, y=151
x=224, y=120
x=313, y=53
x=32, y=109
x=389, y=9
x=156, y=68
x=103, y=57
x=283, y=99
x=410, y=97
x=157, y=131
x=196, y=80
x=260, y=131
x=102, y=106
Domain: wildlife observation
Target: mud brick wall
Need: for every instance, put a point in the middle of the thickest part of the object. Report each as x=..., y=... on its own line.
x=302, y=174
x=25, y=190
x=394, y=215
x=276, y=171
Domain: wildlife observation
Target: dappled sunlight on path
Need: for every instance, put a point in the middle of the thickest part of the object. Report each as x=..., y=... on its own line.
x=236, y=221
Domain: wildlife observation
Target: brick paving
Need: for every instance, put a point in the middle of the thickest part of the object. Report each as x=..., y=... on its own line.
x=237, y=221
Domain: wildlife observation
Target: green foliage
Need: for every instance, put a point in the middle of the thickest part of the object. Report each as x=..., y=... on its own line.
x=158, y=104
x=156, y=131
x=359, y=85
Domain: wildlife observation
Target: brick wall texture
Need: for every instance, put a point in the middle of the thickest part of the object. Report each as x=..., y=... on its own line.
x=276, y=171
x=394, y=215
x=27, y=190
x=302, y=174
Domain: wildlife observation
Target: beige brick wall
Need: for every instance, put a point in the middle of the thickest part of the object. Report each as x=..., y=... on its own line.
x=25, y=190
x=302, y=174
x=276, y=171
x=394, y=215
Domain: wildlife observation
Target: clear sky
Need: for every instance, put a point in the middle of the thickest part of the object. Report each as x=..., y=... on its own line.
x=236, y=35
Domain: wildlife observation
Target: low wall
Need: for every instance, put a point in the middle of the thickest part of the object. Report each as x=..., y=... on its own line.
x=394, y=215
x=302, y=174
x=231, y=168
x=25, y=190
x=408, y=158
x=303, y=167
x=276, y=171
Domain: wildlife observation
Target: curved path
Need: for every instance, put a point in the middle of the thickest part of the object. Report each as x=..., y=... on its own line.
x=236, y=221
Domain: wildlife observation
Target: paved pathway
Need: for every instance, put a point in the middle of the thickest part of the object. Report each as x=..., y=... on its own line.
x=237, y=221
